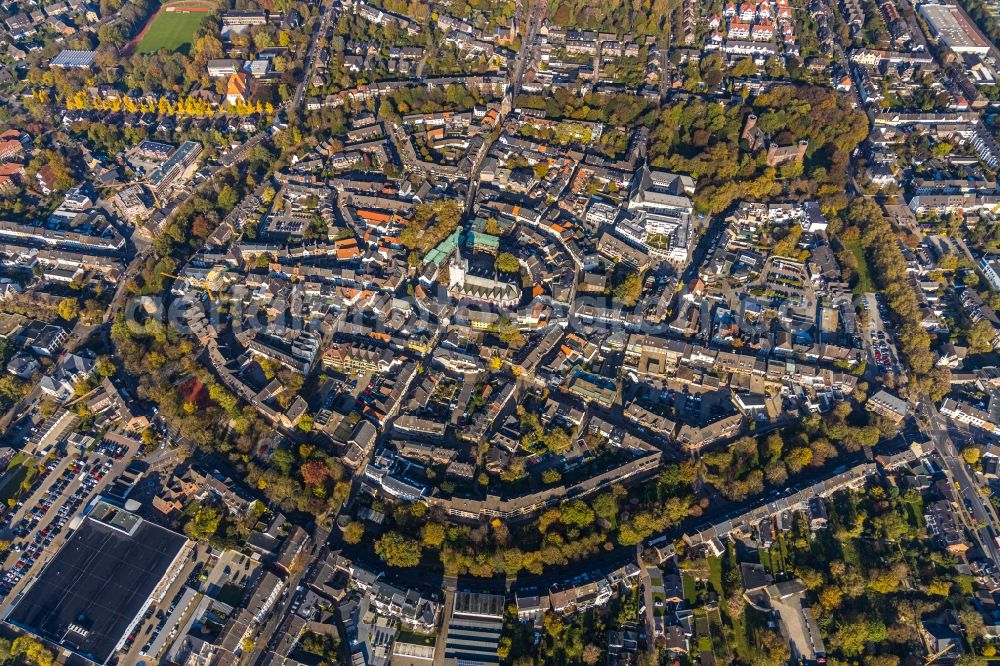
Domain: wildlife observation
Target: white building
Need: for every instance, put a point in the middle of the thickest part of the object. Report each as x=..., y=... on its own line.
x=661, y=207
x=990, y=266
x=465, y=287
x=72, y=369
x=969, y=415
x=953, y=27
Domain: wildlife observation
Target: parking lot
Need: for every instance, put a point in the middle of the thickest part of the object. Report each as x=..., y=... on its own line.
x=883, y=358
x=159, y=626
x=41, y=520
x=232, y=572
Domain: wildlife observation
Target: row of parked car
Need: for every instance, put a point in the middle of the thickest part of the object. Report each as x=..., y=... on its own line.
x=112, y=450
x=161, y=619
x=90, y=474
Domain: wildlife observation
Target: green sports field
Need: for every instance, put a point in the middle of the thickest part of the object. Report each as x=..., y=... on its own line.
x=173, y=31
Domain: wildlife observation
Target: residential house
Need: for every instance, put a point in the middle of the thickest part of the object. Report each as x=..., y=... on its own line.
x=238, y=88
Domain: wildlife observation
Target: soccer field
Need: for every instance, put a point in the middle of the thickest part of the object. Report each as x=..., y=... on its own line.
x=173, y=31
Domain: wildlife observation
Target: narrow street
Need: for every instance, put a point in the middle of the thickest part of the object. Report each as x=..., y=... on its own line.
x=449, y=605
x=310, y=62
x=979, y=514
x=646, y=580
x=524, y=56
x=268, y=633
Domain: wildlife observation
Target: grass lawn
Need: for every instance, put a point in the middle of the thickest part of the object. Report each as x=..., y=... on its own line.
x=18, y=459
x=173, y=31
x=915, y=512
x=415, y=638
x=742, y=639
x=772, y=559
x=12, y=482
x=865, y=283
x=781, y=553
x=703, y=631
x=715, y=574
x=690, y=589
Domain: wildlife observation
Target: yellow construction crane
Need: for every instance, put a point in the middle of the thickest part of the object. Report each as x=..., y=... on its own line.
x=934, y=657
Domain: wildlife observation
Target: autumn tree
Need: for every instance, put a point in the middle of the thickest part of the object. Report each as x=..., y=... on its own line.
x=201, y=227
x=68, y=309
x=627, y=288
x=772, y=649
x=507, y=263
x=548, y=518
x=577, y=514
x=354, y=531
x=105, y=366
x=282, y=460
x=227, y=198
x=203, y=524
x=433, y=534
x=505, y=329
x=430, y=224
x=397, y=550
x=605, y=507
x=981, y=337
x=31, y=650
x=314, y=472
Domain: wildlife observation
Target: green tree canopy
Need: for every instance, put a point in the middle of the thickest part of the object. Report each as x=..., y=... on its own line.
x=507, y=263
x=397, y=550
x=203, y=524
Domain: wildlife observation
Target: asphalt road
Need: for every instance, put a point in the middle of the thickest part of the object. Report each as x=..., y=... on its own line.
x=310, y=61
x=524, y=56
x=875, y=326
x=979, y=514
x=268, y=634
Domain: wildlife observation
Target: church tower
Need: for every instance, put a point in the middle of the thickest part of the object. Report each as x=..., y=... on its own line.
x=457, y=268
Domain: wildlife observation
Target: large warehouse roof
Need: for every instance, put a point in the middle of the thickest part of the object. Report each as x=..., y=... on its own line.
x=88, y=596
x=954, y=27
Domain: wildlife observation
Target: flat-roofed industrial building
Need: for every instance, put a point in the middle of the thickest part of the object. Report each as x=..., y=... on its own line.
x=93, y=593
x=951, y=25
